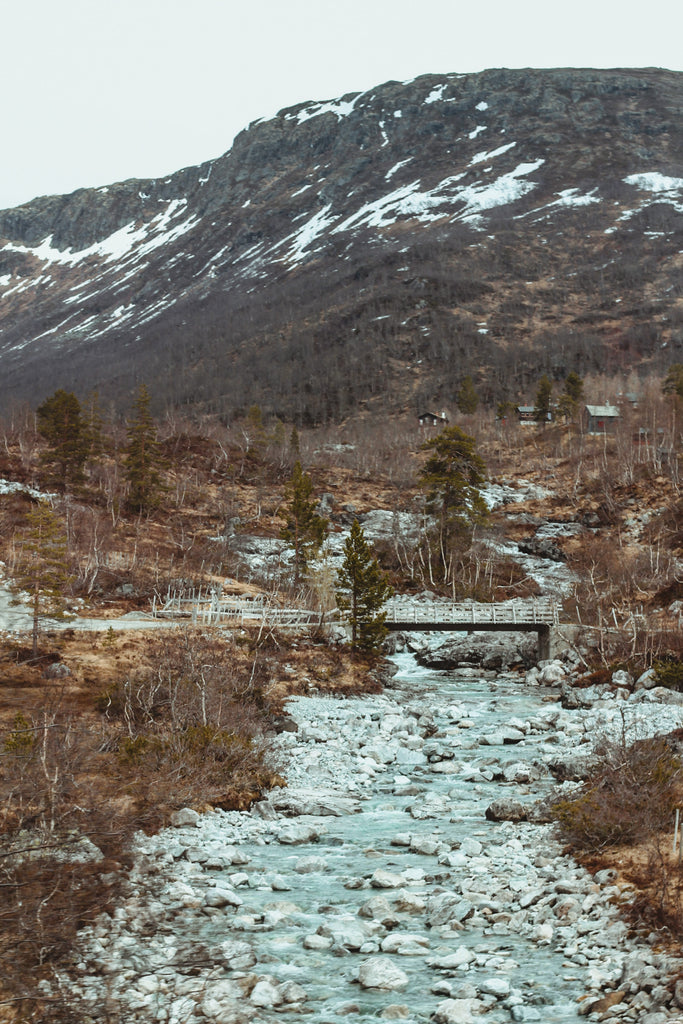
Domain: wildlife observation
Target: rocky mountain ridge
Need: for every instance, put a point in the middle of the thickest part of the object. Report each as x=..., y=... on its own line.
x=371, y=248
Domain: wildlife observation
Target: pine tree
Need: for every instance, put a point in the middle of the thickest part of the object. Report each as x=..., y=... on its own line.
x=304, y=529
x=570, y=399
x=673, y=382
x=543, y=398
x=94, y=421
x=452, y=477
x=42, y=567
x=362, y=589
x=467, y=398
x=142, y=459
x=61, y=423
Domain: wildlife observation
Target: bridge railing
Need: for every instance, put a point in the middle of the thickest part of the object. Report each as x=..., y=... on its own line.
x=214, y=608
x=521, y=613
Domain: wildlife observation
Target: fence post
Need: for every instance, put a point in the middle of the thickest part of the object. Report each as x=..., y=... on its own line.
x=676, y=830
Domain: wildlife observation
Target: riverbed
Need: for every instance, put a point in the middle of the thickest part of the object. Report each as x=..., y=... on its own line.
x=373, y=885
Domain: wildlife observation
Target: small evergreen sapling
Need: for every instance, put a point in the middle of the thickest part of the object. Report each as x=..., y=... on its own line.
x=304, y=529
x=42, y=568
x=362, y=590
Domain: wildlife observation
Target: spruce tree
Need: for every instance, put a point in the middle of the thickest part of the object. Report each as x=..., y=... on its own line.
x=570, y=399
x=467, y=398
x=61, y=423
x=42, y=567
x=304, y=529
x=142, y=459
x=543, y=397
x=362, y=589
x=452, y=477
x=673, y=382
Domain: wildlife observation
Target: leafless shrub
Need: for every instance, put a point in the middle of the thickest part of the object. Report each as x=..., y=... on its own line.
x=629, y=797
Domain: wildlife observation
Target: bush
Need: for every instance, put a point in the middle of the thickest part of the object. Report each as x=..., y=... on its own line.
x=630, y=796
x=669, y=673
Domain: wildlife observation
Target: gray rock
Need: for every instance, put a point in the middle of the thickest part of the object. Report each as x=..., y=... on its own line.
x=222, y=898
x=381, y=973
x=185, y=818
x=292, y=992
x=456, y=1011
x=498, y=987
x=310, y=865
x=266, y=994
x=296, y=835
x=646, y=681
x=506, y=809
x=382, y=879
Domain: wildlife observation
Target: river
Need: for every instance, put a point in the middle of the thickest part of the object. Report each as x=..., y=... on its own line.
x=374, y=886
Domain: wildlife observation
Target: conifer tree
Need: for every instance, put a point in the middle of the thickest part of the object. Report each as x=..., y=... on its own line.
x=543, y=398
x=61, y=423
x=452, y=477
x=362, y=589
x=673, y=382
x=142, y=459
x=42, y=567
x=304, y=529
x=467, y=398
x=570, y=399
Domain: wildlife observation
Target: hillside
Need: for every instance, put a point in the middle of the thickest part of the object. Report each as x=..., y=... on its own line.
x=373, y=248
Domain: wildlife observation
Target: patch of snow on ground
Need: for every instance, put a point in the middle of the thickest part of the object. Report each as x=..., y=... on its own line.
x=315, y=226
x=653, y=181
x=14, y=487
x=496, y=495
x=5, y=280
x=341, y=108
x=436, y=94
x=572, y=197
x=477, y=131
x=143, y=239
x=392, y=170
x=504, y=190
x=409, y=201
x=482, y=105
x=479, y=158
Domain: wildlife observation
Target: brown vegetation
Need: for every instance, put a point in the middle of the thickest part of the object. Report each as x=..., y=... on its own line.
x=141, y=725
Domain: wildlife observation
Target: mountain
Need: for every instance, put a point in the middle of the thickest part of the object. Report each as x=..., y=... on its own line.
x=369, y=249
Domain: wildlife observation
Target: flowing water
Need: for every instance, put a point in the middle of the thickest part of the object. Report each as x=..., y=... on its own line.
x=489, y=867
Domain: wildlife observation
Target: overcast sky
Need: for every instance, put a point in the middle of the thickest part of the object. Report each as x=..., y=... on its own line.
x=96, y=91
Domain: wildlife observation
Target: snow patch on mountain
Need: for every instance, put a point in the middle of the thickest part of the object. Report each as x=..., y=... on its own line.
x=436, y=94
x=653, y=181
x=342, y=108
x=392, y=170
x=479, y=158
x=138, y=240
x=410, y=201
x=305, y=236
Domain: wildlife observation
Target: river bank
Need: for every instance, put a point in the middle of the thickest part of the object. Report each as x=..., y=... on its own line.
x=373, y=885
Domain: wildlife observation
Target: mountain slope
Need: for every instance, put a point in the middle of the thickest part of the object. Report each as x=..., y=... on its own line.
x=378, y=246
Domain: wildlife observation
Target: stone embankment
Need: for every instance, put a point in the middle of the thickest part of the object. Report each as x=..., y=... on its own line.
x=374, y=885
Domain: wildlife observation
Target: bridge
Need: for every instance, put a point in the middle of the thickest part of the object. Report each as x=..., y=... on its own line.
x=213, y=608
x=535, y=616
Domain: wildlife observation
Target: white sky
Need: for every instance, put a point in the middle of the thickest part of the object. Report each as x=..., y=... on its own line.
x=96, y=91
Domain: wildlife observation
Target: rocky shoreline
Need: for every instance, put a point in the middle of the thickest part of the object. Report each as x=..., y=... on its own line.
x=374, y=885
